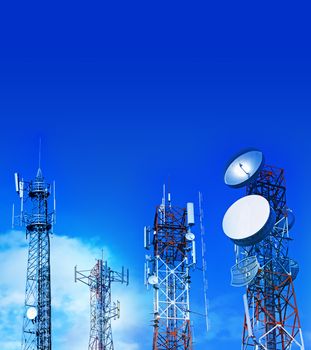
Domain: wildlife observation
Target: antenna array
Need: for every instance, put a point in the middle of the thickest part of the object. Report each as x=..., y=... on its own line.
x=167, y=270
x=99, y=280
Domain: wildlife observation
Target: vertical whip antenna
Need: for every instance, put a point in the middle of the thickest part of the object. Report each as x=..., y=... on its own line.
x=13, y=216
x=163, y=196
x=169, y=190
x=204, y=275
x=39, y=153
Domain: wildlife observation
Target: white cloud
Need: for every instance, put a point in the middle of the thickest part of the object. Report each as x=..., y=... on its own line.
x=70, y=301
x=224, y=322
x=126, y=346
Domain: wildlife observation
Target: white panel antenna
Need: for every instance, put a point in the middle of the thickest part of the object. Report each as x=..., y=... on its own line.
x=146, y=237
x=16, y=182
x=21, y=196
x=21, y=188
x=194, y=254
x=190, y=214
x=163, y=197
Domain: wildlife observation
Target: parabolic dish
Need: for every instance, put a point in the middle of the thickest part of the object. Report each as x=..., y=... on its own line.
x=244, y=271
x=243, y=168
x=286, y=266
x=153, y=280
x=248, y=220
x=290, y=218
x=31, y=313
x=190, y=236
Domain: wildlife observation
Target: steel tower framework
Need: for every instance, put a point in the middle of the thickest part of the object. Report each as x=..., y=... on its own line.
x=38, y=222
x=272, y=320
x=102, y=309
x=168, y=271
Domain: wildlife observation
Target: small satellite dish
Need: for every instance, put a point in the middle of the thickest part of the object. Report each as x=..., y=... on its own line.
x=249, y=220
x=290, y=218
x=286, y=266
x=243, y=168
x=157, y=316
x=190, y=236
x=244, y=271
x=31, y=313
x=153, y=279
x=294, y=268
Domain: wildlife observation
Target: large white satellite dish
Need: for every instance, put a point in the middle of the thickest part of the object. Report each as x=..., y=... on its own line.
x=243, y=168
x=31, y=313
x=249, y=220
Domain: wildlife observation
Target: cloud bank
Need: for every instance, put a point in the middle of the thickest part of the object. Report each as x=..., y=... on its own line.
x=70, y=301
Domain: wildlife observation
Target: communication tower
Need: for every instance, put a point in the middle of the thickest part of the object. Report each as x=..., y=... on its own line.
x=99, y=280
x=38, y=220
x=259, y=224
x=167, y=270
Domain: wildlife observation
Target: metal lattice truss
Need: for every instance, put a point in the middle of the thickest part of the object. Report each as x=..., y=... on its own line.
x=170, y=280
x=271, y=185
x=172, y=292
x=284, y=331
x=272, y=320
x=172, y=305
x=102, y=309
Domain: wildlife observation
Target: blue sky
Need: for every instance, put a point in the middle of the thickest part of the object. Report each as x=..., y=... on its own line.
x=126, y=96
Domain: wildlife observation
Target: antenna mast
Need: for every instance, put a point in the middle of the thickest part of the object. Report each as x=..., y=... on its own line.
x=263, y=264
x=168, y=272
x=272, y=299
x=38, y=222
x=99, y=280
